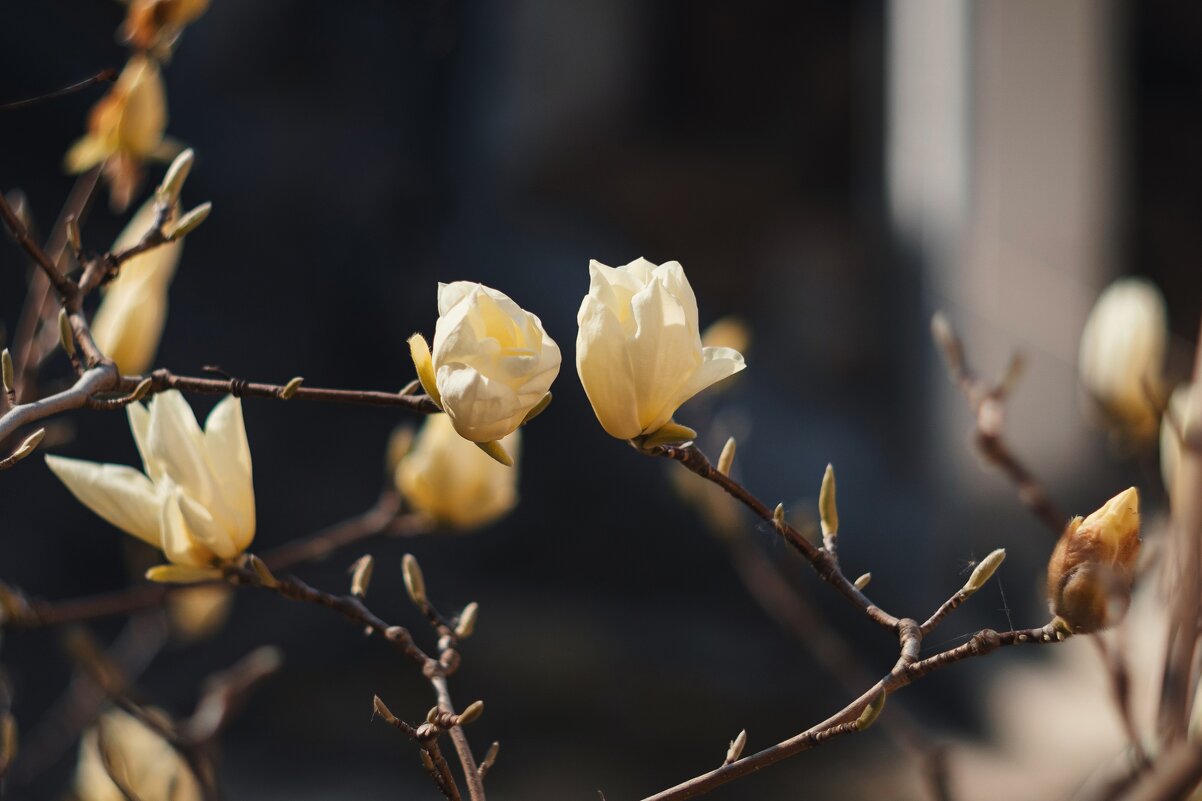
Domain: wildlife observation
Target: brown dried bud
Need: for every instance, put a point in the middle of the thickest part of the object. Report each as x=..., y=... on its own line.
x=1091, y=570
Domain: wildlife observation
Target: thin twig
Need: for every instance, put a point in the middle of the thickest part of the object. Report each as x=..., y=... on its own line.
x=104, y=76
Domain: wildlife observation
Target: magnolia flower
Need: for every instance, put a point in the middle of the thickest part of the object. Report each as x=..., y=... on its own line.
x=449, y=479
x=155, y=24
x=1092, y=568
x=195, y=500
x=125, y=128
x=129, y=322
x=639, y=351
x=1122, y=353
x=139, y=758
x=492, y=365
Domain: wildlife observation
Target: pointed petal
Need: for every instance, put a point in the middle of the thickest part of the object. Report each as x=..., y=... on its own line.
x=175, y=441
x=717, y=364
x=178, y=543
x=603, y=363
x=229, y=457
x=663, y=354
x=119, y=494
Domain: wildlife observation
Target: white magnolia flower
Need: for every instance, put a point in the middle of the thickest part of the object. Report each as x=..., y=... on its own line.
x=1122, y=352
x=492, y=362
x=196, y=498
x=639, y=351
x=141, y=759
x=452, y=481
x=129, y=321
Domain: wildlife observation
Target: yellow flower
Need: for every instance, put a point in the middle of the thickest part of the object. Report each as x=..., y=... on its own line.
x=195, y=500
x=129, y=322
x=639, y=351
x=492, y=362
x=125, y=128
x=1093, y=566
x=155, y=24
x=1122, y=353
x=452, y=481
x=141, y=759
x=197, y=613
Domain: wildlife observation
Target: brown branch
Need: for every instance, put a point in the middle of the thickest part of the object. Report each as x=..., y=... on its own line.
x=987, y=401
x=426, y=738
x=820, y=559
x=906, y=671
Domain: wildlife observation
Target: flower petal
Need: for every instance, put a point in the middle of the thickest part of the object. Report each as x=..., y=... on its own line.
x=229, y=458
x=119, y=494
x=603, y=363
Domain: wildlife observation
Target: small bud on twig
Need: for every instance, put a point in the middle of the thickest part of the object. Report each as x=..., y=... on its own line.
x=984, y=571
x=380, y=708
x=828, y=511
x=190, y=221
x=726, y=459
x=863, y=580
x=473, y=712
x=490, y=759
x=736, y=748
x=467, y=621
x=24, y=449
x=361, y=575
x=778, y=515
x=871, y=712
x=168, y=192
x=414, y=582
x=65, y=337
x=141, y=390
x=73, y=237
x=289, y=390
x=262, y=571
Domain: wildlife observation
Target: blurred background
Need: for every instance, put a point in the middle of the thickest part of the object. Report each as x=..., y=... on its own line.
x=830, y=172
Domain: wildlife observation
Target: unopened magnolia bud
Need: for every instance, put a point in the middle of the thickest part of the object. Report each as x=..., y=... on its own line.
x=726, y=459
x=467, y=621
x=1122, y=353
x=414, y=582
x=871, y=712
x=361, y=575
x=141, y=389
x=289, y=390
x=168, y=191
x=65, y=337
x=490, y=758
x=863, y=580
x=736, y=747
x=1093, y=566
x=983, y=571
x=191, y=221
x=828, y=511
x=27, y=447
x=538, y=409
x=668, y=434
x=778, y=515
x=474, y=711
x=6, y=367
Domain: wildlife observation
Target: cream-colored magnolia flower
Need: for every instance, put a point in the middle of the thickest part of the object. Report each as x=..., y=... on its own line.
x=129, y=322
x=141, y=759
x=492, y=362
x=195, y=501
x=125, y=128
x=1122, y=353
x=639, y=351
x=154, y=25
x=452, y=481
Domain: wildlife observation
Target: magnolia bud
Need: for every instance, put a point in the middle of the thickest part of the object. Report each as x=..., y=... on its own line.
x=736, y=747
x=361, y=575
x=414, y=582
x=168, y=191
x=6, y=359
x=984, y=571
x=474, y=711
x=288, y=391
x=727, y=459
x=190, y=221
x=1091, y=570
x=827, y=509
x=64, y=333
x=467, y=621
x=863, y=580
x=871, y=712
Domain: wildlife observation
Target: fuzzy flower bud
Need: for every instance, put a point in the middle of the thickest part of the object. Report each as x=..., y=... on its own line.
x=639, y=351
x=1092, y=568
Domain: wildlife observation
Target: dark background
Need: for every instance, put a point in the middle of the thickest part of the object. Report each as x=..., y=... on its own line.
x=356, y=154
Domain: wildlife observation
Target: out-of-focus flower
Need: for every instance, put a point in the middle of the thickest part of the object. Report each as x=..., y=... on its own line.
x=195, y=500
x=1170, y=442
x=492, y=364
x=125, y=129
x=1122, y=353
x=140, y=759
x=639, y=351
x=154, y=25
x=197, y=613
x=129, y=322
x=727, y=332
x=1092, y=568
x=449, y=479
